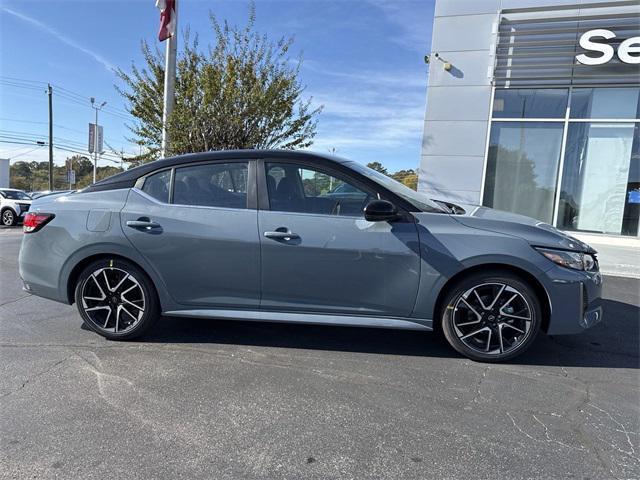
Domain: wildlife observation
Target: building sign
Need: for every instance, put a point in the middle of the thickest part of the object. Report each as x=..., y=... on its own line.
x=559, y=46
x=628, y=51
x=96, y=142
x=92, y=137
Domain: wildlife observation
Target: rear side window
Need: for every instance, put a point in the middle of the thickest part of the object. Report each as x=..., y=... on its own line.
x=212, y=185
x=157, y=186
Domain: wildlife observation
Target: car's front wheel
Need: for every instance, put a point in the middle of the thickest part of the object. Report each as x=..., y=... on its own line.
x=116, y=299
x=9, y=218
x=491, y=317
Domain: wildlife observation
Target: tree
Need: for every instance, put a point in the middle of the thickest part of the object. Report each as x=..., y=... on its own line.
x=407, y=177
x=242, y=92
x=34, y=176
x=378, y=167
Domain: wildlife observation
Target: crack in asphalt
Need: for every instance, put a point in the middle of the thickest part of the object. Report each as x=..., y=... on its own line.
x=15, y=300
x=35, y=376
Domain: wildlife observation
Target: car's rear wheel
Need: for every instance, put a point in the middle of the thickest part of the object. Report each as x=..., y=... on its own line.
x=491, y=317
x=116, y=299
x=9, y=217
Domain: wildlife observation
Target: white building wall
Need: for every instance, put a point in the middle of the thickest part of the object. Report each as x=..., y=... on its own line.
x=459, y=100
x=4, y=172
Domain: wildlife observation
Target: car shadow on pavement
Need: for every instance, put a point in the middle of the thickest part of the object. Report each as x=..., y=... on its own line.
x=612, y=344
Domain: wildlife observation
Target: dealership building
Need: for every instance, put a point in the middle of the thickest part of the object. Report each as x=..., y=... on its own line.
x=533, y=106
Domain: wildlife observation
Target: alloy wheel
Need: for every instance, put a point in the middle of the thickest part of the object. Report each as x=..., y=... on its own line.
x=113, y=300
x=492, y=318
x=7, y=218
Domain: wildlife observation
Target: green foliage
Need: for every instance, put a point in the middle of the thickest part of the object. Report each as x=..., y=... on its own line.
x=407, y=177
x=378, y=167
x=34, y=176
x=242, y=92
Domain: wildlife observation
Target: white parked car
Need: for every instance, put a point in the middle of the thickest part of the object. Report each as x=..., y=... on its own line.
x=14, y=204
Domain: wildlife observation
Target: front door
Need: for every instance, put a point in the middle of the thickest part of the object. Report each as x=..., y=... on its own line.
x=319, y=254
x=201, y=238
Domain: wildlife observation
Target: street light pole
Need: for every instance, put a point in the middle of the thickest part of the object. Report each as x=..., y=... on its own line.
x=95, y=137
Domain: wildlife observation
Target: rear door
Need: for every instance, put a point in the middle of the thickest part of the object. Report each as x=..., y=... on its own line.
x=197, y=226
x=319, y=253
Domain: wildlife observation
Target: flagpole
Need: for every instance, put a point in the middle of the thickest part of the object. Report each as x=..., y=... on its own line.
x=169, y=82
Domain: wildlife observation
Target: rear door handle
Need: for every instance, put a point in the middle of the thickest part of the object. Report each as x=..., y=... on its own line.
x=142, y=224
x=282, y=235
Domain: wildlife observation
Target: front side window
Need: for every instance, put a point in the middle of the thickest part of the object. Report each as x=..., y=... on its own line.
x=522, y=167
x=212, y=185
x=157, y=186
x=296, y=188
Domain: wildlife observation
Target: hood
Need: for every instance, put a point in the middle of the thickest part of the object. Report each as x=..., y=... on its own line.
x=534, y=231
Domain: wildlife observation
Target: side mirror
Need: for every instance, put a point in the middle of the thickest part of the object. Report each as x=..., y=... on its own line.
x=380, y=211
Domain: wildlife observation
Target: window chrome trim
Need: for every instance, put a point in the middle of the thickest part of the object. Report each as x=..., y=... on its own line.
x=209, y=207
x=147, y=196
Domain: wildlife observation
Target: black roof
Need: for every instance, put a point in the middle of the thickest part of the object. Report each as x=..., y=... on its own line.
x=128, y=178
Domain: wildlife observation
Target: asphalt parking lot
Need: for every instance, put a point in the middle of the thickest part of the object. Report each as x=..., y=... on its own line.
x=213, y=399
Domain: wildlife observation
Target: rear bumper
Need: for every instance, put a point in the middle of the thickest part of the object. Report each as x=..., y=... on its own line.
x=575, y=300
x=40, y=273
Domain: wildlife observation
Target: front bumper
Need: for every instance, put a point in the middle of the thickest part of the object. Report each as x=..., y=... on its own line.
x=575, y=300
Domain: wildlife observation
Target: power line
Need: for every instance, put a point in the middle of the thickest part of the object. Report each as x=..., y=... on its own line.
x=111, y=140
x=57, y=145
x=62, y=92
x=25, y=153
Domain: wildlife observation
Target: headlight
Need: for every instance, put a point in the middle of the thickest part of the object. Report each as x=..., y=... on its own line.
x=574, y=260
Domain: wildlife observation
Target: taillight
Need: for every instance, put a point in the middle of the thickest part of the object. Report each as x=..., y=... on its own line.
x=34, y=221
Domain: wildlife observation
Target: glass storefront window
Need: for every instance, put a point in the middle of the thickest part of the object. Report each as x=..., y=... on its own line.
x=600, y=189
x=610, y=103
x=522, y=167
x=530, y=103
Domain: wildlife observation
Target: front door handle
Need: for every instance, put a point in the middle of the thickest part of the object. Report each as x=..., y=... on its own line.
x=282, y=235
x=143, y=224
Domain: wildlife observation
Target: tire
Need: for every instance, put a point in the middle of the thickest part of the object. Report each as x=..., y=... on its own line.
x=116, y=299
x=491, y=317
x=9, y=217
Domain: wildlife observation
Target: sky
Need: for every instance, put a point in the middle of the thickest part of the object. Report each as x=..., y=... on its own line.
x=363, y=60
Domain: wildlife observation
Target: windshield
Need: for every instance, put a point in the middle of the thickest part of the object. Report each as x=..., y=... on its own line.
x=419, y=200
x=15, y=195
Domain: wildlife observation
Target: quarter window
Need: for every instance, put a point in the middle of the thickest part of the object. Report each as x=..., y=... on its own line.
x=296, y=188
x=157, y=185
x=212, y=185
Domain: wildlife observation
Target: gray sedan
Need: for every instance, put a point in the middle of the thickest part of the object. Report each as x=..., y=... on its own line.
x=263, y=236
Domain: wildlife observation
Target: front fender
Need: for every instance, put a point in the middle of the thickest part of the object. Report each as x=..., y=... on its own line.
x=448, y=249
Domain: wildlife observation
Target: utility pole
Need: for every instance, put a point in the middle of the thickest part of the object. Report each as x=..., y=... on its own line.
x=50, y=94
x=96, y=144
x=69, y=169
